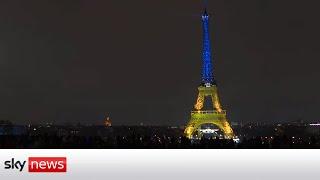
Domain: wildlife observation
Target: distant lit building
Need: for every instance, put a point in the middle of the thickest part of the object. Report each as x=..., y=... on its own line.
x=107, y=122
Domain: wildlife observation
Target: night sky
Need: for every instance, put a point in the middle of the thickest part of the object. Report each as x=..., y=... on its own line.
x=139, y=61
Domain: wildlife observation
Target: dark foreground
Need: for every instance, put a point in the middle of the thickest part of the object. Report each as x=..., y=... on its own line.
x=48, y=136
x=134, y=142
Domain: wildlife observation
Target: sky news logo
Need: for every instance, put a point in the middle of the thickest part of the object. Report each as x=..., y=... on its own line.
x=39, y=164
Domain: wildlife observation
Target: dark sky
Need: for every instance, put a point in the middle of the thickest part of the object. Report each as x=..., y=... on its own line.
x=139, y=61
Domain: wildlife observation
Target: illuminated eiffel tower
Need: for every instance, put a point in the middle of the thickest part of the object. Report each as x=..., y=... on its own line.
x=208, y=88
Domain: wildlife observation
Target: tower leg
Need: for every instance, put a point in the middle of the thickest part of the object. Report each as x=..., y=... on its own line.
x=215, y=102
x=200, y=100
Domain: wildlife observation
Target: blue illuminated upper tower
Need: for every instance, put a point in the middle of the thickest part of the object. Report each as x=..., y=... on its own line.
x=207, y=78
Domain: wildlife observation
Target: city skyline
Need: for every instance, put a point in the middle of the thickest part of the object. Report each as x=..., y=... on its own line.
x=139, y=62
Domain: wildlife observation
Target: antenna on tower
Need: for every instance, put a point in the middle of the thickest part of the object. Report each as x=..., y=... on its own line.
x=205, y=4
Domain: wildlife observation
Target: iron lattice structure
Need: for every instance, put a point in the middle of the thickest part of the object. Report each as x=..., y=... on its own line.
x=207, y=67
x=208, y=87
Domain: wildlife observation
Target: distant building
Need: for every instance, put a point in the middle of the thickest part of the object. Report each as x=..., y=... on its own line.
x=234, y=123
x=107, y=122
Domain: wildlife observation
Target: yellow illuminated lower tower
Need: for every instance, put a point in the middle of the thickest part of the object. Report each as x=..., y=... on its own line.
x=208, y=88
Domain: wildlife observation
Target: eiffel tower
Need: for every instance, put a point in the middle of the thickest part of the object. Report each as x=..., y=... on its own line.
x=208, y=88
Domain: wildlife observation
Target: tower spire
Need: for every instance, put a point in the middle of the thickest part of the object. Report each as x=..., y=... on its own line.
x=207, y=66
x=205, y=3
